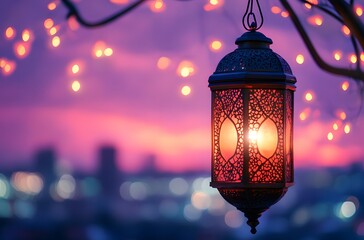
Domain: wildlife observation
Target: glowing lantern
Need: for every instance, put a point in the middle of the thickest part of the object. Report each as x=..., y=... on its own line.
x=252, y=126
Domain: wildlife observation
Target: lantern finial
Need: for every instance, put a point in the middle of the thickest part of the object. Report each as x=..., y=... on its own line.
x=253, y=222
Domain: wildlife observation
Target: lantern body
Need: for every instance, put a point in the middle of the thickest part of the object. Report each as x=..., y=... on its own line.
x=252, y=126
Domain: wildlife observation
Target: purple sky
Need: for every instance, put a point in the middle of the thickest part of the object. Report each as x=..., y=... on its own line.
x=125, y=100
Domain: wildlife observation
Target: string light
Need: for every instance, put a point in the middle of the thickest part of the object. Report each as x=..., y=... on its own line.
x=185, y=69
x=341, y=114
x=9, y=33
x=56, y=41
x=330, y=136
x=309, y=96
x=76, y=86
x=276, y=10
x=108, y=52
x=186, y=90
x=316, y=20
x=300, y=59
x=353, y=58
x=359, y=11
x=335, y=126
x=73, y=24
x=216, y=45
x=213, y=5
x=163, y=63
x=347, y=128
x=284, y=14
x=26, y=35
x=157, y=6
x=119, y=1
x=345, y=30
x=52, y=6
x=48, y=23
x=21, y=49
x=305, y=114
x=345, y=86
x=337, y=55
x=75, y=68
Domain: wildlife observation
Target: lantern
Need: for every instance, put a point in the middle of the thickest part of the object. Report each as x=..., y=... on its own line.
x=252, y=126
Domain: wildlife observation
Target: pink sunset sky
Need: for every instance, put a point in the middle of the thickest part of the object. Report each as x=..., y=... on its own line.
x=127, y=100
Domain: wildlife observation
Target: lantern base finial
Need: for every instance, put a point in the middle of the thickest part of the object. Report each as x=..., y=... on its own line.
x=252, y=201
x=253, y=216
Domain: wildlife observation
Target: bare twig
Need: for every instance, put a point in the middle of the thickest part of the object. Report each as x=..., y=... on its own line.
x=356, y=74
x=73, y=12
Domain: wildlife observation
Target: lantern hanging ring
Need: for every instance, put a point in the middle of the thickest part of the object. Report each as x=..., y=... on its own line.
x=250, y=22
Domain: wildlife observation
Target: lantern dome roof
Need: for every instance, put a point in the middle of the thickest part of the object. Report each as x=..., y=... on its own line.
x=253, y=55
x=252, y=61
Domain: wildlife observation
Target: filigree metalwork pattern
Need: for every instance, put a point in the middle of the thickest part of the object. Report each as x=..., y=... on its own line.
x=227, y=104
x=249, y=60
x=252, y=198
x=266, y=104
x=289, y=135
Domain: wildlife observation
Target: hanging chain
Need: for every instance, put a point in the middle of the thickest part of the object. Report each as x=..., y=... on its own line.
x=250, y=22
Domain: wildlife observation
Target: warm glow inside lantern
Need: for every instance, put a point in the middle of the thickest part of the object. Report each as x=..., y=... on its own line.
x=252, y=126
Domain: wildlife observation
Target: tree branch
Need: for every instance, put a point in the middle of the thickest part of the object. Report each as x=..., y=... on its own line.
x=353, y=73
x=73, y=11
x=345, y=10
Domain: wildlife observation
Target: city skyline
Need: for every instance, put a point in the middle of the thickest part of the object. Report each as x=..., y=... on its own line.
x=74, y=89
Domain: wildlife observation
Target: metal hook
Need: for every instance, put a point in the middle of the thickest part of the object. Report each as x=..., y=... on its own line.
x=250, y=22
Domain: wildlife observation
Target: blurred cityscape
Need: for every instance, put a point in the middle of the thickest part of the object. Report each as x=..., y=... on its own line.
x=46, y=202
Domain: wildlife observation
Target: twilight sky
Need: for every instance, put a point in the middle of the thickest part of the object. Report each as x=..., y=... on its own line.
x=131, y=74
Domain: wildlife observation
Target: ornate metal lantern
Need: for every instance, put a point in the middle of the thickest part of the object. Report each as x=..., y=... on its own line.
x=252, y=126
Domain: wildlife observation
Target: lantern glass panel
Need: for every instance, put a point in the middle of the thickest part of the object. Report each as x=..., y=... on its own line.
x=227, y=115
x=249, y=141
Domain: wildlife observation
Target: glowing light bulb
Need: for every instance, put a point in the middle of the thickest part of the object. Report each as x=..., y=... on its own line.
x=284, y=14
x=345, y=30
x=21, y=49
x=75, y=68
x=353, y=58
x=342, y=115
x=276, y=10
x=300, y=59
x=9, y=33
x=308, y=6
x=303, y=116
x=309, y=96
x=76, y=86
x=52, y=6
x=337, y=55
x=215, y=45
x=26, y=35
x=99, y=48
x=359, y=11
x=73, y=24
x=119, y=1
x=330, y=136
x=108, y=52
x=185, y=69
x=212, y=5
x=157, y=6
x=347, y=128
x=345, y=86
x=163, y=63
x=335, y=126
x=53, y=31
x=48, y=23
x=186, y=90
x=316, y=20
x=56, y=41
